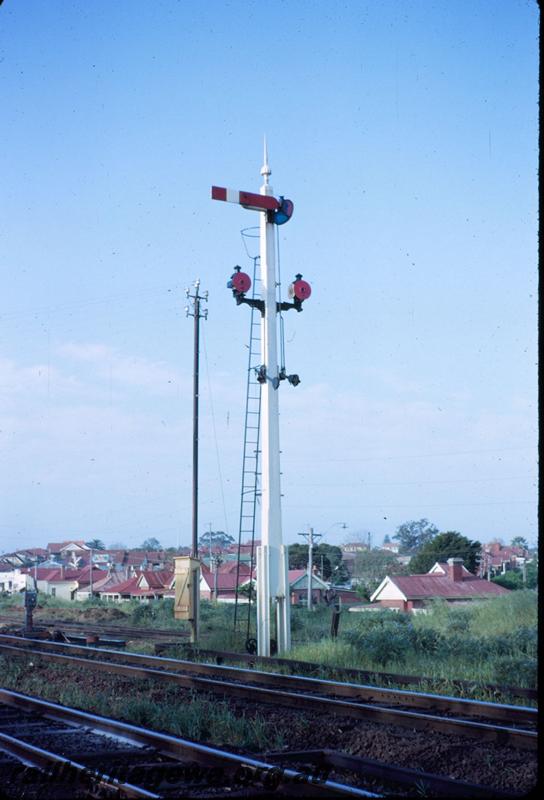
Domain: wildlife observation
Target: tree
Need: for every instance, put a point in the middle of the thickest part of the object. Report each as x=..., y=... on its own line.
x=216, y=540
x=414, y=535
x=118, y=546
x=513, y=578
x=247, y=590
x=328, y=555
x=95, y=544
x=387, y=539
x=151, y=544
x=443, y=546
x=531, y=575
x=298, y=556
x=510, y=580
x=371, y=567
x=520, y=541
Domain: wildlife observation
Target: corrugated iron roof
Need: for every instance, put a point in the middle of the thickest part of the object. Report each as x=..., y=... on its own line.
x=417, y=587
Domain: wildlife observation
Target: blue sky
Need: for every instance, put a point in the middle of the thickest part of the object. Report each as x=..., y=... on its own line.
x=406, y=135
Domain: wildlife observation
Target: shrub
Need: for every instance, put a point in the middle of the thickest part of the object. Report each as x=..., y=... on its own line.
x=470, y=649
x=458, y=620
x=427, y=641
x=386, y=643
x=510, y=580
x=510, y=670
x=525, y=640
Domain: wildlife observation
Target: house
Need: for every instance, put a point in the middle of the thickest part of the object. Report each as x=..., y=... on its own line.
x=101, y=579
x=298, y=587
x=392, y=547
x=144, y=586
x=64, y=549
x=220, y=584
x=145, y=559
x=354, y=547
x=496, y=559
x=11, y=580
x=450, y=581
x=22, y=558
x=118, y=591
x=61, y=581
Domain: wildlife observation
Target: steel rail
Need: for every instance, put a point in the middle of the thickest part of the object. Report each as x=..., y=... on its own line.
x=219, y=655
x=248, y=768
x=98, y=627
x=357, y=674
x=44, y=760
x=472, y=708
x=496, y=733
x=426, y=781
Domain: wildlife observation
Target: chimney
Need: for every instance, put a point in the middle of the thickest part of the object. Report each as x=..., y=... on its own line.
x=62, y=571
x=455, y=569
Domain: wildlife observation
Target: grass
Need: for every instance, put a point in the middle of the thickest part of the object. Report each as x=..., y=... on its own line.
x=156, y=706
x=491, y=641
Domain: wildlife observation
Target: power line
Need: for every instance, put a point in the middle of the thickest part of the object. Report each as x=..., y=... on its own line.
x=418, y=483
x=427, y=455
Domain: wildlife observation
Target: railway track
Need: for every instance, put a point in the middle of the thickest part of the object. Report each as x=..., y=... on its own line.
x=101, y=628
x=60, y=752
x=293, y=665
x=47, y=749
x=491, y=722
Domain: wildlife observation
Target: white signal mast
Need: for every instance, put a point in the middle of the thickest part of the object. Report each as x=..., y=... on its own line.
x=272, y=557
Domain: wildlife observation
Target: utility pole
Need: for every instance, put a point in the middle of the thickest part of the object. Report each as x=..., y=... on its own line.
x=210, y=543
x=310, y=538
x=91, y=577
x=272, y=559
x=197, y=316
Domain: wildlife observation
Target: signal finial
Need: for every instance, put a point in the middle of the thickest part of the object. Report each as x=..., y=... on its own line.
x=265, y=169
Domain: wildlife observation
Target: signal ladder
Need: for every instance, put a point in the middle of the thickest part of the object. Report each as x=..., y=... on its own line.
x=250, y=461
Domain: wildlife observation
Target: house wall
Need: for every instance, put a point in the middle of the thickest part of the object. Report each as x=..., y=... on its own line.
x=299, y=597
x=12, y=581
x=390, y=592
x=397, y=603
x=64, y=590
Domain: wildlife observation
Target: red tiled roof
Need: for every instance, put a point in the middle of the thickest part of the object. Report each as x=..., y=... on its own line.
x=225, y=580
x=84, y=578
x=43, y=573
x=56, y=547
x=110, y=582
x=295, y=575
x=33, y=551
x=157, y=579
x=125, y=587
x=232, y=566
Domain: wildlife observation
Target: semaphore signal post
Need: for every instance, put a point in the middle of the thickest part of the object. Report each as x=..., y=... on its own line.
x=272, y=558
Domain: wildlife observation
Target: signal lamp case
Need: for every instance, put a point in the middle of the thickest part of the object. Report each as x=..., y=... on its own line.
x=187, y=575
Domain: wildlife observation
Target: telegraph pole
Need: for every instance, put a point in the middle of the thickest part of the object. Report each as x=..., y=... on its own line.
x=197, y=316
x=310, y=538
x=272, y=561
